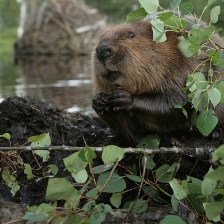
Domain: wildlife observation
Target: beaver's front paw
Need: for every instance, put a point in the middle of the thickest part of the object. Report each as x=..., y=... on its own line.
x=120, y=100
x=100, y=103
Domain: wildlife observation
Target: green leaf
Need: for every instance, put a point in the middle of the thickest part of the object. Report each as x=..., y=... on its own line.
x=45, y=154
x=194, y=184
x=172, y=219
x=218, y=59
x=111, y=153
x=165, y=15
x=221, y=89
x=214, y=96
x=211, y=74
x=40, y=140
x=198, y=35
x=175, y=23
x=200, y=100
x=206, y=122
x=35, y=217
x=116, y=183
x=10, y=180
x=39, y=213
x=102, y=168
x=134, y=178
x=210, y=31
x=140, y=206
x=98, y=213
x=149, y=163
x=160, y=200
x=199, y=79
x=196, y=201
x=75, y=218
x=213, y=210
x=175, y=203
x=214, y=14
x=136, y=15
x=174, y=5
x=165, y=173
x=115, y=199
x=92, y=193
x=194, y=48
x=179, y=106
x=208, y=185
x=159, y=34
x=150, y=6
x=74, y=163
x=215, y=56
x=62, y=189
x=80, y=177
x=186, y=8
x=219, y=154
x=149, y=142
x=28, y=171
x=88, y=206
x=150, y=191
x=87, y=154
x=85, y=186
x=52, y=168
x=6, y=136
x=217, y=174
x=127, y=205
x=180, y=188
x=184, y=48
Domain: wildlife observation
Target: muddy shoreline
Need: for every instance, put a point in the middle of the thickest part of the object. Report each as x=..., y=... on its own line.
x=25, y=117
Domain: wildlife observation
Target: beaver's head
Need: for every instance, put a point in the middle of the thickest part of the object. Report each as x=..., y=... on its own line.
x=126, y=57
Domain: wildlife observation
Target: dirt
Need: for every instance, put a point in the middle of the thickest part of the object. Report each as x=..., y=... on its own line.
x=25, y=117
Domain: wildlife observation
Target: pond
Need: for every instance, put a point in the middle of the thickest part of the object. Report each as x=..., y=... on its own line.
x=62, y=81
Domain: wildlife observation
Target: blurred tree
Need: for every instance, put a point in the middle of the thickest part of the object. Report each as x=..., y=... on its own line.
x=114, y=10
x=117, y=10
x=9, y=13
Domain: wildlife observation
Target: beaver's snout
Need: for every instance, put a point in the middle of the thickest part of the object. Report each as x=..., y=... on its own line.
x=104, y=51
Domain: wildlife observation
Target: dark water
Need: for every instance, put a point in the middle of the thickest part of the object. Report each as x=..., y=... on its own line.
x=64, y=82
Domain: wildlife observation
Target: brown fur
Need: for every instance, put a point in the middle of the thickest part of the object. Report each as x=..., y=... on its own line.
x=149, y=74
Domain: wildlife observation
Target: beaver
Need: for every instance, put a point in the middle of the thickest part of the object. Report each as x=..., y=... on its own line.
x=137, y=82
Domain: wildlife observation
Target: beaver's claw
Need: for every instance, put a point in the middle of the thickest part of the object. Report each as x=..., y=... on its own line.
x=119, y=100
x=100, y=103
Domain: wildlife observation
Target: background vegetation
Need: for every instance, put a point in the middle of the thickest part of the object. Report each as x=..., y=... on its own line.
x=9, y=14
x=117, y=10
x=114, y=11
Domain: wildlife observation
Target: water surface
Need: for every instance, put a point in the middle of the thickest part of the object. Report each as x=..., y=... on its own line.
x=64, y=82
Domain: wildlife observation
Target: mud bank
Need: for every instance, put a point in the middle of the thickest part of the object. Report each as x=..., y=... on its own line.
x=25, y=117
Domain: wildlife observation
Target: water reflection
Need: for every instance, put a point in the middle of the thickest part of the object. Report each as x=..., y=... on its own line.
x=64, y=82
x=8, y=76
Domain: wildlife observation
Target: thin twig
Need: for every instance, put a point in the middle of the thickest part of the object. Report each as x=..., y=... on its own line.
x=141, y=184
x=109, y=177
x=201, y=153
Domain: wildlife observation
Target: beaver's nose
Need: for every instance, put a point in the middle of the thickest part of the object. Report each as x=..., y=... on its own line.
x=104, y=51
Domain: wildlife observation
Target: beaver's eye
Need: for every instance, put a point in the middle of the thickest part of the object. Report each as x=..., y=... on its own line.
x=131, y=35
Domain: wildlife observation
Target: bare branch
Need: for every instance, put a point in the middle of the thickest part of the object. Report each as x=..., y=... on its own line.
x=201, y=153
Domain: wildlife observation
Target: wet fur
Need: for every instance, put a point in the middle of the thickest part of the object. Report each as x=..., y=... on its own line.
x=137, y=88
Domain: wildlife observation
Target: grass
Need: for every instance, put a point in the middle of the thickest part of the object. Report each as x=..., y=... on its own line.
x=7, y=40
